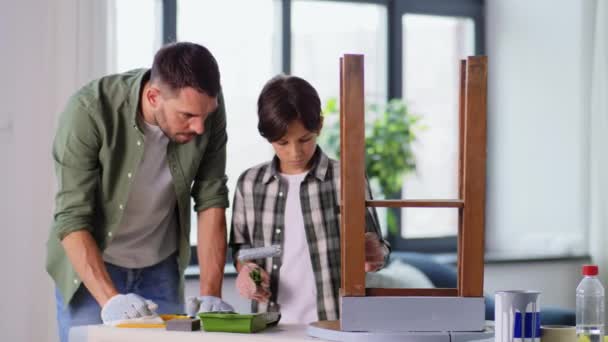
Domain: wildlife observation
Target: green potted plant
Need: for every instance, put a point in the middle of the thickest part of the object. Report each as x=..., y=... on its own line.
x=390, y=130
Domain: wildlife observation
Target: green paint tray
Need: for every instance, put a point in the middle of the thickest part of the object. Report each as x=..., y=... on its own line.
x=237, y=323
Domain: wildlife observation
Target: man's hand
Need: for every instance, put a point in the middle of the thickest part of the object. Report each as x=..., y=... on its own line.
x=124, y=307
x=253, y=282
x=375, y=252
x=203, y=304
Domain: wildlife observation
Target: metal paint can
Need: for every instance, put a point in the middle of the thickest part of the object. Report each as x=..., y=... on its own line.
x=517, y=316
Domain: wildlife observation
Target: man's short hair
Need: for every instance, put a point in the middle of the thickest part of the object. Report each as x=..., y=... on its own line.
x=283, y=100
x=183, y=64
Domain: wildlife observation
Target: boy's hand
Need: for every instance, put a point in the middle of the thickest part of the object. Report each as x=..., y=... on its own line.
x=375, y=252
x=253, y=282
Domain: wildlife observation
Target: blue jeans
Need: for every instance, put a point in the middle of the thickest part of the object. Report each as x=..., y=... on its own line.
x=159, y=283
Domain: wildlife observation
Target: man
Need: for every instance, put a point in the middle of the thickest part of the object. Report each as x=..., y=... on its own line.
x=129, y=151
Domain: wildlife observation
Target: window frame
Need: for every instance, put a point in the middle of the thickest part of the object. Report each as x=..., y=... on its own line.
x=396, y=9
x=473, y=9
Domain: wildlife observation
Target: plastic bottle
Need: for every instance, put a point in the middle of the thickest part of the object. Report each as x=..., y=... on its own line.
x=590, y=306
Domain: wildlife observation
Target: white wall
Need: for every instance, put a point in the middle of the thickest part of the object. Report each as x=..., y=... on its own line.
x=539, y=56
x=27, y=99
x=47, y=51
x=556, y=280
x=538, y=165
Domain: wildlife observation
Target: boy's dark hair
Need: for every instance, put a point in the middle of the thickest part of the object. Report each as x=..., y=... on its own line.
x=283, y=100
x=180, y=65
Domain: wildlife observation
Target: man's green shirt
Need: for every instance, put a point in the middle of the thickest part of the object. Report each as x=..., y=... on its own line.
x=97, y=151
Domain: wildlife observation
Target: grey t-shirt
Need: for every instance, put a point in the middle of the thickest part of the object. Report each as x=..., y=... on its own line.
x=147, y=233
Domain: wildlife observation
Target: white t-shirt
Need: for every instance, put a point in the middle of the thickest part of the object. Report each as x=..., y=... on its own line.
x=297, y=295
x=147, y=233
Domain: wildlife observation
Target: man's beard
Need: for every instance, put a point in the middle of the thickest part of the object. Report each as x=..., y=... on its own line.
x=176, y=136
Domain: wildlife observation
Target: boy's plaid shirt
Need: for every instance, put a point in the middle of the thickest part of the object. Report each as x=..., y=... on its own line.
x=258, y=220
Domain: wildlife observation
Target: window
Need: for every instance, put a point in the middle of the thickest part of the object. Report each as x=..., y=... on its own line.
x=135, y=45
x=411, y=49
x=322, y=31
x=317, y=45
x=246, y=44
x=428, y=39
x=433, y=47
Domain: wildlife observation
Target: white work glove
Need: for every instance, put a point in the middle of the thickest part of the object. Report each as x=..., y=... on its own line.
x=203, y=304
x=375, y=252
x=128, y=307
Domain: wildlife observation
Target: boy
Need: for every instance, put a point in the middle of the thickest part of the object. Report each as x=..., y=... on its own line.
x=292, y=201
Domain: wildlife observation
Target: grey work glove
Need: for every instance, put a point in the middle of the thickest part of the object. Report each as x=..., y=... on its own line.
x=202, y=304
x=128, y=307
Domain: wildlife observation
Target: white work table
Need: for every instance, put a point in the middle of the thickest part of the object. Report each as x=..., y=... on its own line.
x=284, y=332
x=101, y=333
